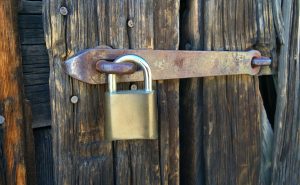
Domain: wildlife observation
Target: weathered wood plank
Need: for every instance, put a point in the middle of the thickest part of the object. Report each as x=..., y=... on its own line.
x=36, y=68
x=286, y=161
x=29, y=144
x=36, y=79
x=42, y=114
x=44, y=158
x=11, y=95
x=32, y=36
x=80, y=154
x=30, y=21
x=30, y=7
x=34, y=50
x=135, y=162
x=36, y=59
x=228, y=124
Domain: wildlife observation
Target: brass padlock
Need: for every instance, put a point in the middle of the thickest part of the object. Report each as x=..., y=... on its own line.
x=131, y=114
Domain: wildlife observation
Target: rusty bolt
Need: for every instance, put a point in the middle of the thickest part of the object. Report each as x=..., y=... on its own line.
x=74, y=99
x=130, y=23
x=63, y=10
x=133, y=87
x=2, y=119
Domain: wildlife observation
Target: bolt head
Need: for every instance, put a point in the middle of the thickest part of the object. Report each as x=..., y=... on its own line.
x=130, y=23
x=2, y=119
x=63, y=10
x=74, y=99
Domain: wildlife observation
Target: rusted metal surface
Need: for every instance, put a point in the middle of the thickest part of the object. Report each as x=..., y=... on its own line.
x=166, y=64
x=115, y=68
x=129, y=68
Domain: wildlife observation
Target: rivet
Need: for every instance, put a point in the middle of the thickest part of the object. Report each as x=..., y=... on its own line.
x=63, y=10
x=74, y=99
x=130, y=23
x=133, y=87
x=2, y=119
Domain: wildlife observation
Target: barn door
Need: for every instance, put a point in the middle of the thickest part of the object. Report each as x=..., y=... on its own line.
x=81, y=156
x=219, y=117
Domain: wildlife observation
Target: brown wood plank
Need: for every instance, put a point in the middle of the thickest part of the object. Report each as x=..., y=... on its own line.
x=79, y=153
x=11, y=97
x=224, y=112
x=286, y=161
x=135, y=162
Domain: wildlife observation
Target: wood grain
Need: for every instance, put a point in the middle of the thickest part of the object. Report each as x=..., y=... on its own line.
x=11, y=95
x=286, y=161
x=35, y=61
x=224, y=112
x=80, y=154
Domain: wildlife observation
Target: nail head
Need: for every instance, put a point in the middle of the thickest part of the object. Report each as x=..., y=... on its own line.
x=130, y=23
x=74, y=99
x=63, y=10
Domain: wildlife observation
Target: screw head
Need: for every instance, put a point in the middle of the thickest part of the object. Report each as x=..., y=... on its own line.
x=2, y=119
x=133, y=87
x=74, y=99
x=130, y=23
x=63, y=10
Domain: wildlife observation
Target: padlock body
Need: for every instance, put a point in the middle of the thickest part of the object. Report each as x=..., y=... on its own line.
x=130, y=115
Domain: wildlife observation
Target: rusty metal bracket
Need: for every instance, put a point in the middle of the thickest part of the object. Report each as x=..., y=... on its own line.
x=91, y=65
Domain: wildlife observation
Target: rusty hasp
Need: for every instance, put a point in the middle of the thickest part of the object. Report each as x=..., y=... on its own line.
x=91, y=65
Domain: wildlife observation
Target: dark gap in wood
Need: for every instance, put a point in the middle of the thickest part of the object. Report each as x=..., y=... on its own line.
x=269, y=96
x=192, y=163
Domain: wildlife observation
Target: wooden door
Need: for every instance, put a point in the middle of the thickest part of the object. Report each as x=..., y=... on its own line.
x=81, y=156
x=211, y=130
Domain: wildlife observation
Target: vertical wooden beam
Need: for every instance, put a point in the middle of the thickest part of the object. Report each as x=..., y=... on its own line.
x=286, y=161
x=226, y=111
x=11, y=95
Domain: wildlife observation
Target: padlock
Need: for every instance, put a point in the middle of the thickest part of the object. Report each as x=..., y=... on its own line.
x=131, y=114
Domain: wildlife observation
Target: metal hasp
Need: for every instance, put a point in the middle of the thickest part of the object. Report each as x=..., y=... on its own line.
x=164, y=64
x=131, y=114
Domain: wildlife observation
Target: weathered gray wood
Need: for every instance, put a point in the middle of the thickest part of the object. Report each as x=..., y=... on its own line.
x=30, y=21
x=36, y=59
x=30, y=7
x=34, y=50
x=88, y=157
x=80, y=154
x=286, y=161
x=32, y=36
x=44, y=158
x=36, y=79
x=224, y=110
x=36, y=68
x=42, y=114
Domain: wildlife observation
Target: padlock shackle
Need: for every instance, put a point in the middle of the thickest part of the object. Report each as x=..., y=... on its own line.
x=112, y=84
